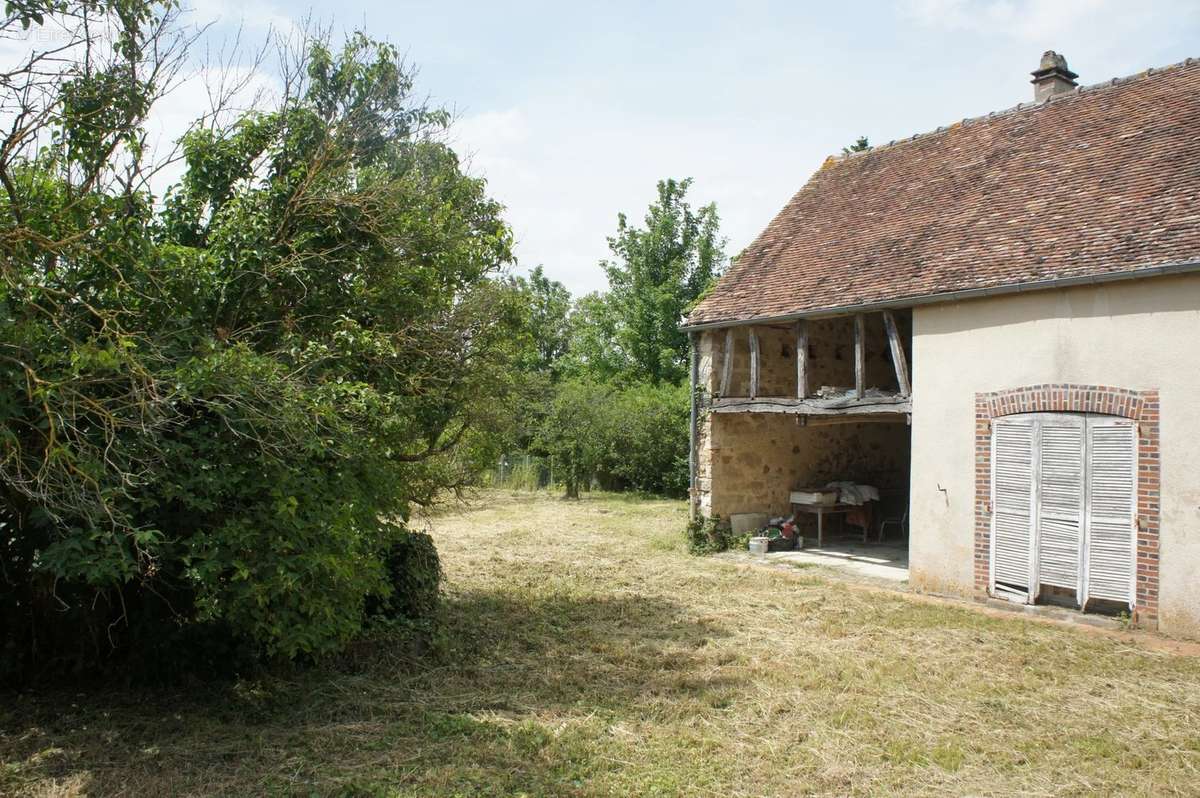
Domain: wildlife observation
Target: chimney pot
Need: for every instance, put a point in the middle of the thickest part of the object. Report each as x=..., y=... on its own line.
x=1052, y=77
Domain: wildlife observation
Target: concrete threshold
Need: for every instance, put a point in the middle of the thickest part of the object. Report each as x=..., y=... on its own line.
x=1052, y=612
x=888, y=564
x=872, y=576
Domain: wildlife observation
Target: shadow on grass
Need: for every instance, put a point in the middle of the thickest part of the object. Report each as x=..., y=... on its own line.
x=521, y=696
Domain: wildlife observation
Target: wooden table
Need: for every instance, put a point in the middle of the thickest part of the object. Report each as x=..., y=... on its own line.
x=822, y=510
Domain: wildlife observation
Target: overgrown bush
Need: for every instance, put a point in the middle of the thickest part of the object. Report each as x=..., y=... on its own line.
x=219, y=407
x=577, y=430
x=648, y=450
x=628, y=438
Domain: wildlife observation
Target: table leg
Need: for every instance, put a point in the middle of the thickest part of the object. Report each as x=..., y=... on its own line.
x=820, y=528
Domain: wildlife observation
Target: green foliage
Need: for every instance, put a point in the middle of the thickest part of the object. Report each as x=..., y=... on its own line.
x=616, y=406
x=657, y=274
x=218, y=411
x=648, y=450
x=594, y=350
x=414, y=574
x=548, y=304
x=708, y=535
x=577, y=431
x=626, y=438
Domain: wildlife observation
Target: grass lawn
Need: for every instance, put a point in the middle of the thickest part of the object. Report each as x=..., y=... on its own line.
x=588, y=654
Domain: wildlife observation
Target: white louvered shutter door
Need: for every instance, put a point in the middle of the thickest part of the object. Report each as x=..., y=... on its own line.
x=1060, y=496
x=1111, y=508
x=1012, y=506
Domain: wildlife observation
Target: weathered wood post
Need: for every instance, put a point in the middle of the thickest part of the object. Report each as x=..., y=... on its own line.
x=860, y=355
x=727, y=365
x=753, y=363
x=801, y=358
x=898, y=358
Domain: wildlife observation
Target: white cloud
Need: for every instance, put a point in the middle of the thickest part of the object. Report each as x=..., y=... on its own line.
x=572, y=151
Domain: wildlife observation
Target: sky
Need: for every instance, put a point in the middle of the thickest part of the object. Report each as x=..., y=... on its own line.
x=572, y=112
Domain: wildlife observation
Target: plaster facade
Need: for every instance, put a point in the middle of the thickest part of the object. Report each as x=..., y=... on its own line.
x=1134, y=338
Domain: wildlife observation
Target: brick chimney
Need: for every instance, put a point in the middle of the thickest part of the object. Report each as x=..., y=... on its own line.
x=1052, y=76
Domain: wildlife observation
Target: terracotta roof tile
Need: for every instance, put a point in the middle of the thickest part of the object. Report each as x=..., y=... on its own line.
x=1099, y=180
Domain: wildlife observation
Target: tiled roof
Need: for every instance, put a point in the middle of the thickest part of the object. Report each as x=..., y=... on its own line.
x=1096, y=181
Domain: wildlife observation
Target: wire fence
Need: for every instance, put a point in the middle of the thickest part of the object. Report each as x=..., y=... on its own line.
x=521, y=471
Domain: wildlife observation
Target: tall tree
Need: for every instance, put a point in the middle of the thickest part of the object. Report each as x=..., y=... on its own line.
x=657, y=273
x=548, y=307
x=217, y=408
x=594, y=350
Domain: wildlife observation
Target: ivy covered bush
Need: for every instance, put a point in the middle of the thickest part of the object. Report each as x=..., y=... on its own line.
x=414, y=573
x=219, y=406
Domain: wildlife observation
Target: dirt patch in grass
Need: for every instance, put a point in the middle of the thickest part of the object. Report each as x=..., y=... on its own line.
x=587, y=654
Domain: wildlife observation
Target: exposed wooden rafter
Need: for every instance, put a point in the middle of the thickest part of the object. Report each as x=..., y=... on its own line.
x=842, y=405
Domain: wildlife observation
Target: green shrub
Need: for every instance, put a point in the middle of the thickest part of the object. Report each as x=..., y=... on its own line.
x=648, y=446
x=632, y=437
x=708, y=535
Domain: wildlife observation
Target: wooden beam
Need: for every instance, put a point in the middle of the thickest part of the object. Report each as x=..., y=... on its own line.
x=841, y=405
x=801, y=358
x=898, y=358
x=860, y=355
x=727, y=366
x=753, y=362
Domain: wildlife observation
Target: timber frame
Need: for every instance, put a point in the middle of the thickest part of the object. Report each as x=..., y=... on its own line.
x=860, y=401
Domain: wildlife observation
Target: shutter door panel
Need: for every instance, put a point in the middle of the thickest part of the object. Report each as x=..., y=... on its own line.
x=1012, y=503
x=1060, y=500
x=1112, y=503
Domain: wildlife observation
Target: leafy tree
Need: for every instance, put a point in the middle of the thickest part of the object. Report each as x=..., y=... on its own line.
x=548, y=304
x=657, y=274
x=217, y=411
x=648, y=446
x=622, y=416
x=594, y=350
x=577, y=431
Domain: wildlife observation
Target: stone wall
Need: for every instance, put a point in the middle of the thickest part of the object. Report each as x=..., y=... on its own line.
x=754, y=460
x=830, y=356
x=750, y=462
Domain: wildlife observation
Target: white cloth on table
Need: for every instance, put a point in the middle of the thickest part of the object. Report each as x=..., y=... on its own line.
x=853, y=493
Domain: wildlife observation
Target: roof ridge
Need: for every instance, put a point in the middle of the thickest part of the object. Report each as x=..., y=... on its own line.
x=1025, y=106
x=1090, y=188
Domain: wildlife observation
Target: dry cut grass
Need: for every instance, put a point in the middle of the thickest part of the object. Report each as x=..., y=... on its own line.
x=587, y=654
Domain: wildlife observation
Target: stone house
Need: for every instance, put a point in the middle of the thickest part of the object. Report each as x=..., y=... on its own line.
x=997, y=323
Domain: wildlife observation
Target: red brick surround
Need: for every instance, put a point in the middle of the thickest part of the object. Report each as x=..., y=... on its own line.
x=1141, y=406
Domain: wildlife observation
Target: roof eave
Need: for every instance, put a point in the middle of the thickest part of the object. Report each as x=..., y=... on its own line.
x=1174, y=267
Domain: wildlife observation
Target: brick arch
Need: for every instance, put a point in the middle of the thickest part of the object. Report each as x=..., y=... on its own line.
x=1141, y=406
